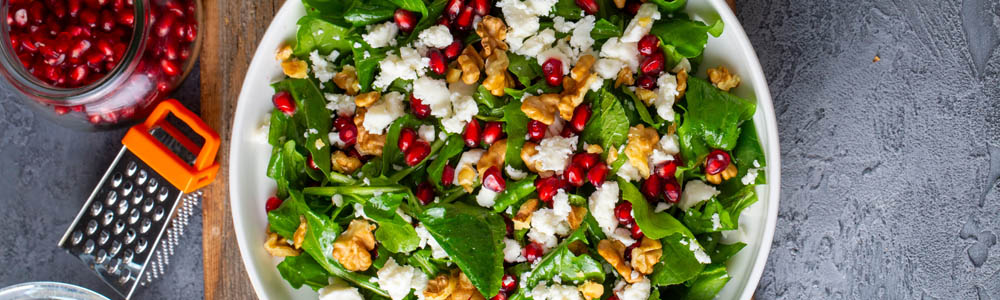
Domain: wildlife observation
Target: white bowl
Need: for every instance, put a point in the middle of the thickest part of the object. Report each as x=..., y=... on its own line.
x=250, y=187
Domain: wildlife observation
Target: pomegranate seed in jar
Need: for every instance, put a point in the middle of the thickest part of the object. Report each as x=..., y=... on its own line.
x=580, y=117
x=405, y=20
x=107, y=21
x=672, y=190
x=574, y=175
x=646, y=82
x=533, y=251
x=454, y=8
x=584, y=160
x=548, y=187
x=648, y=45
x=437, y=63
x=406, y=138
x=623, y=212
x=536, y=130
x=452, y=51
x=448, y=175
x=553, y=71
x=417, y=152
x=163, y=25
x=652, y=64
x=598, y=174
x=169, y=67
x=464, y=20
x=482, y=7
x=508, y=283
x=272, y=204
x=492, y=133
x=21, y=17
x=283, y=102
x=472, y=133
x=78, y=74
x=589, y=6
x=651, y=187
x=716, y=161
x=493, y=180
x=420, y=110
x=425, y=193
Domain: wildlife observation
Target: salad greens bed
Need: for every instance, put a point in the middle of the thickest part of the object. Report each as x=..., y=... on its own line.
x=657, y=167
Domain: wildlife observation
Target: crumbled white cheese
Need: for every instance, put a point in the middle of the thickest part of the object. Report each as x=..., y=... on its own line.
x=684, y=64
x=608, y=68
x=555, y=292
x=426, y=132
x=469, y=158
x=625, y=52
x=696, y=191
x=560, y=204
x=716, y=222
x=602, y=206
x=512, y=251
x=517, y=12
x=434, y=93
x=359, y=211
x=561, y=25
x=546, y=226
x=335, y=139
x=641, y=23
x=666, y=92
x=463, y=107
x=322, y=67
x=407, y=65
x=668, y=144
x=622, y=235
x=540, y=7
x=339, y=290
x=581, y=33
x=514, y=173
x=536, y=43
x=750, y=177
x=695, y=248
x=662, y=206
x=338, y=200
x=398, y=280
x=381, y=35
x=436, y=36
x=384, y=112
x=628, y=172
x=554, y=152
x=636, y=291
x=486, y=197
x=426, y=239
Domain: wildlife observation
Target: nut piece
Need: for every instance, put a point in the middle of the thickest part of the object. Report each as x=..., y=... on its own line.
x=494, y=157
x=576, y=86
x=347, y=80
x=367, y=99
x=646, y=255
x=594, y=149
x=528, y=150
x=351, y=247
x=613, y=252
x=682, y=84
x=722, y=79
x=368, y=144
x=471, y=63
x=454, y=74
x=522, y=220
x=641, y=140
x=645, y=95
x=467, y=178
x=576, y=216
x=295, y=68
x=278, y=246
x=624, y=77
x=730, y=172
x=300, y=233
x=493, y=32
x=496, y=73
x=591, y=290
x=344, y=163
x=283, y=53
x=440, y=287
x=541, y=108
x=464, y=290
x=612, y=155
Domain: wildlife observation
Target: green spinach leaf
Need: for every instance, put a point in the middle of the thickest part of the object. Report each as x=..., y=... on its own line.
x=708, y=284
x=430, y=16
x=715, y=115
x=688, y=37
x=563, y=263
x=608, y=126
x=473, y=238
x=604, y=29
x=316, y=118
x=669, y=6
x=708, y=216
x=517, y=127
x=524, y=68
x=515, y=192
x=303, y=270
x=319, y=34
x=654, y=225
x=366, y=61
x=369, y=12
x=678, y=263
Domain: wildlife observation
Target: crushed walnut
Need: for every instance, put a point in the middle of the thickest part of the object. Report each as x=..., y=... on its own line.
x=641, y=140
x=344, y=163
x=576, y=216
x=682, y=84
x=367, y=99
x=624, y=77
x=522, y=220
x=493, y=33
x=614, y=252
x=646, y=255
x=368, y=144
x=300, y=233
x=594, y=149
x=283, y=53
x=471, y=64
x=452, y=286
x=647, y=96
x=722, y=79
x=454, y=74
x=277, y=246
x=576, y=86
x=295, y=68
x=541, y=108
x=352, y=246
x=347, y=80
x=496, y=73
x=729, y=172
x=494, y=157
x=591, y=290
x=467, y=178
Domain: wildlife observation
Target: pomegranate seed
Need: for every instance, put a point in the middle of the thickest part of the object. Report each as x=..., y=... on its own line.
x=533, y=252
x=425, y=193
x=667, y=169
x=349, y=134
x=574, y=175
x=648, y=45
x=442, y=20
x=499, y=296
x=437, y=63
x=419, y=109
x=651, y=187
x=636, y=233
x=169, y=67
x=653, y=64
x=283, y=102
x=405, y=20
x=105, y=48
x=493, y=180
x=406, y=138
x=536, y=130
x=567, y=132
x=482, y=7
x=448, y=175
x=464, y=20
x=272, y=204
x=36, y=12
x=553, y=71
x=79, y=49
x=73, y=6
x=107, y=20
x=548, y=187
x=88, y=18
x=471, y=134
x=508, y=283
x=492, y=133
x=509, y=224
x=628, y=250
x=623, y=211
x=580, y=117
x=584, y=160
x=646, y=82
x=311, y=163
x=452, y=51
x=672, y=190
x=163, y=25
x=588, y=6
x=417, y=152
x=597, y=174
x=78, y=73
x=716, y=161
x=632, y=8
x=454, y=8
x=341, y=121
x=21, y=17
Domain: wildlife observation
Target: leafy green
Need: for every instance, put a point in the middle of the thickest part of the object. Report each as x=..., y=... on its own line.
x=641, y=109
x=692, y=146
x=713, y=119
x=395, y=234
x=390, y=152
x=288, y=168
x=568, y=9
x=724, y=252
x=748, y=150
x=524, y=68
x=473, y=238
x=303, y=270
x=412, y=5
x=608, y=126
x=604, y=29
x=319, y=34
x=517, y=127
x=366, y=61
x=654, y=225
x=678, y=263
x=708, y=216
x=371, y=12
x=433, y=11
x=485, y=98
x=688, y=37
x=708, y=284
x=515, y=192
x=452, y=147
x=563, y=263
x=330, y=10
x=669, y=6
x=737, y=200
x=312, y=110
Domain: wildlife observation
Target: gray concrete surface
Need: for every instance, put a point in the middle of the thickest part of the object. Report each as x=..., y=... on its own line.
x=46, y=174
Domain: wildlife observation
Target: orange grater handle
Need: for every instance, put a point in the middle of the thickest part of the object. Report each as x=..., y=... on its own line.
x=186, y=178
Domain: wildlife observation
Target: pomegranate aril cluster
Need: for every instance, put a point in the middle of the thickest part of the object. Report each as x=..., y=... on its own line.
x=663, y=183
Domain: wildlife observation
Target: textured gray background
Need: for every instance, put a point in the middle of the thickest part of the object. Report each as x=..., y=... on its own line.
x=889, y=186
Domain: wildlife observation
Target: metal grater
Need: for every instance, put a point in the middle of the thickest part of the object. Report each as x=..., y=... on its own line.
x=127, y=230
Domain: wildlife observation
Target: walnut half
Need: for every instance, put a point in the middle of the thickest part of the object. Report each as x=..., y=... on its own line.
x=646, y=255
x=278, y=246
x=614, y=252
x=352, y=246
x=368, y=144
x=722, y=79
x=641, y=140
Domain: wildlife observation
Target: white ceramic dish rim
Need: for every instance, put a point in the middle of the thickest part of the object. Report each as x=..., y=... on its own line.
x=244, y=124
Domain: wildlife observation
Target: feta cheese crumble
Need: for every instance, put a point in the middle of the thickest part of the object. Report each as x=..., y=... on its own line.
x=384, y=112
x=627, y=52
x=339, y=290
x=696, y=191
x=636, y=291
x=512, y=251
x=341, y=104
x=665, y=95
x=555, y=292
x=514, y=173
x=641, y=23
x=426, y=132
x=407, y=65
x=554, y=153
x=602, y=206
x=437, y=36
x=323, y=67
x=486, y=197
x=381, y=35
x=399, y=280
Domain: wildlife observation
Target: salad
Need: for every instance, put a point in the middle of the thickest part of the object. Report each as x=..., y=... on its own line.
x=517, y=149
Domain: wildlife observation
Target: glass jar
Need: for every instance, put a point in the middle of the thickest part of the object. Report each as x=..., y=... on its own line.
x=98, y=64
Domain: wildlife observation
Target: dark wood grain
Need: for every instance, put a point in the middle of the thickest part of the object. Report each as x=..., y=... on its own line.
x=231, y=33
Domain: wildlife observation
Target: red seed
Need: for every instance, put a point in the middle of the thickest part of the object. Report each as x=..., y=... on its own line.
x=553, y=71
x=78, y=74
x=493, y=180
x=417, y=152
x=452, y=51
x=406, y=138
x=442, y=20
x=636, y=233
x=648, y=45
x=716, y=161
x=672, y=190
x=585, y=160
x=510, y=225
x=272, y=204
x=126, y=17
x=580, y=117
x=548, y=187
x=163, y=25
x=492, y=133
x=472, y=133
x=349, y=134
x=169, y=67
x=532, y=252
x=651, y=187
x=646, y=82
x=341, y=121
x=589, y=6
x=79, y=49
x=482, y=7
x=464, y=20
x=632, y=8
x=508, y=283
x=311, y=163
x=419, y=109
x=454, y=8
x=448, y=175
x=628, y=250
x=567, y=132
x=107, y=21
x=652, y=64
x=21, y=17
x=574, y=175
x=437, y=63
x=425, y=193
x=623, y=212
x=283, y=102
x=536, y=130
x=61, y=110
x=499, y=296
x=667, y=169
x=597, y=174
x=405, y=20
